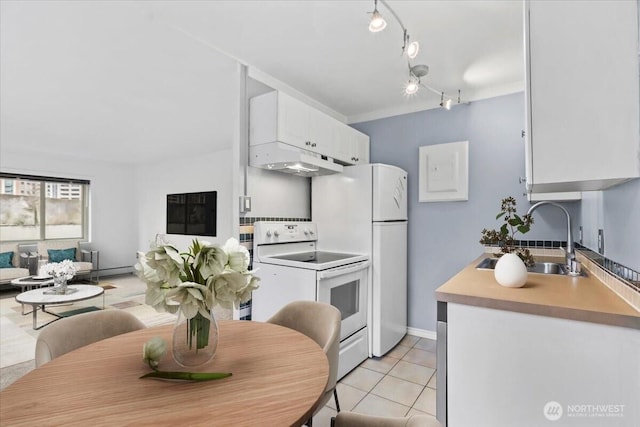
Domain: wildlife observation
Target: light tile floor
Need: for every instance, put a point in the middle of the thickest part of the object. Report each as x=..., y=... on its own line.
x=403, y=382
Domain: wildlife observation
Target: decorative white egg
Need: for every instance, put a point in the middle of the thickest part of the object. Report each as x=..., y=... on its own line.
x=510, y=271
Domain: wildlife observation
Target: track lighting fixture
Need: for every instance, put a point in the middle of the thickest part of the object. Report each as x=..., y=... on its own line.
x=410, y=49
x=377, y=22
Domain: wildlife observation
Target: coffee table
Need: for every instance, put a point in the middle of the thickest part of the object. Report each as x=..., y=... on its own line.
x=30, y=282
x=37, y=298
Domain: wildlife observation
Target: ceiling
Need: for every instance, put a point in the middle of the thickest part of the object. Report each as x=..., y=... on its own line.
x=139, y=81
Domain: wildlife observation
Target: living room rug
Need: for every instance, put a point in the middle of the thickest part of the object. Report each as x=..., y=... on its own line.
x=14, y=343
x=79, y=311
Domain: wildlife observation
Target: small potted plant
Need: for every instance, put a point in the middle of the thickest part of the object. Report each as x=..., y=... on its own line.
x=511, y=268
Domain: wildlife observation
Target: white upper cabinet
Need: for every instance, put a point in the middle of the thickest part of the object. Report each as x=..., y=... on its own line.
x=276, y=116
x=582, y=95
x=361, y=153
x=352, y=146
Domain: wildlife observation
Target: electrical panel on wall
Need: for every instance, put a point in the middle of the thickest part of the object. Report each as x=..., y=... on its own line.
x=444, y=172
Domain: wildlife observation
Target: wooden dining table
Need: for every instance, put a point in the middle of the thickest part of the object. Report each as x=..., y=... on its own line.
x=278, y=377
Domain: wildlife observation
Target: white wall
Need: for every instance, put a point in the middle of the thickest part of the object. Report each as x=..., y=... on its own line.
x=202, y=172
x=277, y=194
x=113, y=207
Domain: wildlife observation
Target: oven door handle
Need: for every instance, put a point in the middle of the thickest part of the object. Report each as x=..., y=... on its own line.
x=339, y=271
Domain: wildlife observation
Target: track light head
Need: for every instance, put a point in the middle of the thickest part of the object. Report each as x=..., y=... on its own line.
x=445, y=103
x=412, y=85
x=412, y=49
x=377, y=22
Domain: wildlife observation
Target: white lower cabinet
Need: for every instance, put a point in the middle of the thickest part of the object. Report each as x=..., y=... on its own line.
x=515, y=369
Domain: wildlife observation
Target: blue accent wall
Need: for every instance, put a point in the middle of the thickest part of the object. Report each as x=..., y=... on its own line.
x=443, y=237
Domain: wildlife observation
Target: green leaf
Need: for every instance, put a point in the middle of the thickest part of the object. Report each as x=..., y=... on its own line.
x=515, y=221
x=504, y=230
x=500, y=215
x=187, y=376
x=523, y=229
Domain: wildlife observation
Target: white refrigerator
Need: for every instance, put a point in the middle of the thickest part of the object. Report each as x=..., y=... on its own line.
x=364, y=210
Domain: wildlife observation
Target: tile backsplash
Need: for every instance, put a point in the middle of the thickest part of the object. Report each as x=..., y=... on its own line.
x=622, y=280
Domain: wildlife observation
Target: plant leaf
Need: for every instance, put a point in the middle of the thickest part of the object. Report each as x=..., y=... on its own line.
x=523, y=229
x=516, y=220
x=500, y=215
x=504, y=230
x=187, y=376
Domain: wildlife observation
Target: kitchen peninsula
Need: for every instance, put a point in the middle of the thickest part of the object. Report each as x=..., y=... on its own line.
x=506, y=355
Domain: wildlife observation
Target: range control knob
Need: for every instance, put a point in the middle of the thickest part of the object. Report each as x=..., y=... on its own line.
x=276, y=233
x=268, y=233
x=306, y=231
x=311, y=231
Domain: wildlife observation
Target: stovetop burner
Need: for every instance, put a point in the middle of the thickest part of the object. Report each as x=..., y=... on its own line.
x=316, y=257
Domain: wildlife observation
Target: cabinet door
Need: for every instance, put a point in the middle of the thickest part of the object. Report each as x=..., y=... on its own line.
x=582, y=94
x=361, y=148
x=321, y=133
x=540, y=360
x=344, y=144
x=352, y=146
x=293, y=121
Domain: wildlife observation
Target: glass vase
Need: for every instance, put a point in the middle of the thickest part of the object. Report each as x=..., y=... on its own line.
x=60, y=285
x=194, y=340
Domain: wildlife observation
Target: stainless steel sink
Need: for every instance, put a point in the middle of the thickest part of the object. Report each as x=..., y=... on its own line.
x=548, y=268
x=538, y=267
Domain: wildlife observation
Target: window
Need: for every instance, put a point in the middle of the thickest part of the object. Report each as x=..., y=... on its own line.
x=40, y=208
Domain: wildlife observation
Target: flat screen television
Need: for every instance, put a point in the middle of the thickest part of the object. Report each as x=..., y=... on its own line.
x=192, y=213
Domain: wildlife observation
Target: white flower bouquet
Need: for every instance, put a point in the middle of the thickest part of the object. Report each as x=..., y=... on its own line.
x=60, y=269
x=196, y=281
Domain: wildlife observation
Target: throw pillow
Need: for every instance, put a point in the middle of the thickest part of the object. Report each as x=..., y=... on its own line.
x=6, y=260
x=58, y=255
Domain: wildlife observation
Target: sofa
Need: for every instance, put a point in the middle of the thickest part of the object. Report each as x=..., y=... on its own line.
x=28, y=258
x=18, y=264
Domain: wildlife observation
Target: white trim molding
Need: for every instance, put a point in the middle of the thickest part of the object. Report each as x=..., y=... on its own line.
x=422, y=333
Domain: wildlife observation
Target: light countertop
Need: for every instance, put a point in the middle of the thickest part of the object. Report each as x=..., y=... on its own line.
x=576, y=298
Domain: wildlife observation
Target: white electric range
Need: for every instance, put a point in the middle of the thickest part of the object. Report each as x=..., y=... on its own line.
x=291, y=268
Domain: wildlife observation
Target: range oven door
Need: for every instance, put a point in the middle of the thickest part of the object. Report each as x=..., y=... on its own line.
x=346, y=289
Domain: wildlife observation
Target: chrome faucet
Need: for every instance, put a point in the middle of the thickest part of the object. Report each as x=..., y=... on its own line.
x=572, y=264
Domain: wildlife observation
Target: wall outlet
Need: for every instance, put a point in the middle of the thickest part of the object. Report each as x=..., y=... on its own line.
x=580, y=235
x=245, y=204
x=601, y=241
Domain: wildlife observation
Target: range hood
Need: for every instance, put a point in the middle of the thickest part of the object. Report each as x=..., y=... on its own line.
x=277, y=156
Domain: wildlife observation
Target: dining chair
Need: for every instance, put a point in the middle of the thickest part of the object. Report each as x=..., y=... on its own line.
x=352, y=419
x=320, y=322
x=70, y=333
